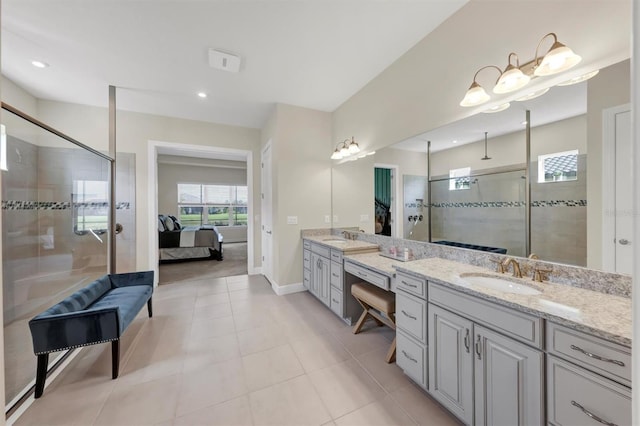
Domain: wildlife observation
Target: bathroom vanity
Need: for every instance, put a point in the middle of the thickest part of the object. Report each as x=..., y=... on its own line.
x=490, y=348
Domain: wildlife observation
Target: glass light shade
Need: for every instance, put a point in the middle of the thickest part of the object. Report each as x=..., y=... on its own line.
x=353, y=147
x=511, y=80
x=579, y=79
x=474, y=96
x=344, y=151
x=559, y=58
x=533, y=95
x=497, y=108
x=336, y=155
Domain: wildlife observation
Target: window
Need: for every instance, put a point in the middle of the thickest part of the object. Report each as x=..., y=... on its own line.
x=90, y=206
x=219, y=205
x=561, y=166
x=459, y=179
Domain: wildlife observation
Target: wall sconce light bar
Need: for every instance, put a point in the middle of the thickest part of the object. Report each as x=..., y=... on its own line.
x=345, y=149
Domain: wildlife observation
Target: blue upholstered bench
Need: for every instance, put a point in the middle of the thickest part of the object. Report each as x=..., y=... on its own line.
x=97, y=313
x=472, y=246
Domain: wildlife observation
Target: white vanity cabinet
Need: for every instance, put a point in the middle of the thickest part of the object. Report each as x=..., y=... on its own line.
x=479, y=374
x=588, y=379
x=411, y=328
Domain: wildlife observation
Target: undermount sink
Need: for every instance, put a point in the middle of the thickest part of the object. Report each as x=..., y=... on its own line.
x=499, y=284
x=334, y=240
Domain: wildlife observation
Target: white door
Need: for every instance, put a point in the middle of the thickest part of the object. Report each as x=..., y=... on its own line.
x=618, y=180
x=267, y=213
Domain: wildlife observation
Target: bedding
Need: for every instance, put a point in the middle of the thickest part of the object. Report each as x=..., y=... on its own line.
x=189, y=242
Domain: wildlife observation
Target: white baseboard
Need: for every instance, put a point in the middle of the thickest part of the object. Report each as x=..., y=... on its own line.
x=281, y=290
x=255, y=271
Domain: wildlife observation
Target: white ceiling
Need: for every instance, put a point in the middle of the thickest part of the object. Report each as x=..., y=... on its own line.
x=309, y=53
x=559, y=103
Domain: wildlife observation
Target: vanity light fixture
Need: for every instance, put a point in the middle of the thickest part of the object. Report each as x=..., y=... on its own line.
x=497, y=108
x=558, y=58
x=579, y=79
x=533, y=95
x=345, y=149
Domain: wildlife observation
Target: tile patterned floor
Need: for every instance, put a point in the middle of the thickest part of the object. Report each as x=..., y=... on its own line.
x=228, y=351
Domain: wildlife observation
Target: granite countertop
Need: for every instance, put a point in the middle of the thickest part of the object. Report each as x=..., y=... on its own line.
x=340, y=243
x=384, y=265
x=600, y=314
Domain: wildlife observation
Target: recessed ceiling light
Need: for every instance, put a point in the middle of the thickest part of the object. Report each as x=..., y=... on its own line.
x=497, y=108
x=579, y=79
x=533, y=95
x=202, y=95
x=39, y=64
x=454, y=141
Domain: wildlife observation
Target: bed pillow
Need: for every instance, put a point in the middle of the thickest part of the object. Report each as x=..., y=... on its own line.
x=176, y=223
x=160, y=225
x=168, y=223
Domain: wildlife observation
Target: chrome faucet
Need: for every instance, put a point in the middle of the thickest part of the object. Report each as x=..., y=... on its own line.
x=516, y=267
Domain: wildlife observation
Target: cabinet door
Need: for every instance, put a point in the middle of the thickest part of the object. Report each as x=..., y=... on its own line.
x=324, y=282
x=508, y=380
x=451, y=362
x=315, y=274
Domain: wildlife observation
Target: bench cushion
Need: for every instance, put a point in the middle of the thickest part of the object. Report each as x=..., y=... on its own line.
x=382, y=300
x=81, y=299
x=129, y=300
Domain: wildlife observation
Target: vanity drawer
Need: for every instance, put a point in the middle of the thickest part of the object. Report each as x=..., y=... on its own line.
x=306, y=279
x=306, y=244
x=335, y=301
x=411, y=285
x=573, y=392
x=321, y=250
x=365, y=274
x=336, y=256
x=591, y=352
x=412, y=358
x=306, y=255
x=523, y=327
x=336, y=275
x=411, y=314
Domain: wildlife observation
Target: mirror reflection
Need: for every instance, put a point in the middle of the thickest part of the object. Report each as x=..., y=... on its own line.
x=475, y=192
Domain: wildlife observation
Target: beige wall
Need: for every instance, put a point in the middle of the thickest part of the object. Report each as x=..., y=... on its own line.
x=301, y=168
x=610, y=88
x=135, y=131
x=17, y=97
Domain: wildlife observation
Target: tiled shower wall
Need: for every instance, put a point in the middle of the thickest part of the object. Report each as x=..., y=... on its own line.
x=492, y=213
x=43, y=259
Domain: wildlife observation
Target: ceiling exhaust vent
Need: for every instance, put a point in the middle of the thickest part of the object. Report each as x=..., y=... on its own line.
x=224, y=61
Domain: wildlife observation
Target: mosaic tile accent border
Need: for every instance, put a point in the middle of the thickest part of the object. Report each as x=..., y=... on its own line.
x=498, y=204
x=57, y=205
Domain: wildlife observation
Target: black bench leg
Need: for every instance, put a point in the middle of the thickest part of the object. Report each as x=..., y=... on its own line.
x=150, y=307
x=41, y=374
x=115, y=358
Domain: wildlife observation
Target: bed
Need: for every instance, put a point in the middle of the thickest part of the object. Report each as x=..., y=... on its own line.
x=181, y=243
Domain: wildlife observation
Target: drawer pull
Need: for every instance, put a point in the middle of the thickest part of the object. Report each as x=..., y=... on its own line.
x=467, y=344
x=408, y=284
x=593, y=416
x=406, y=355
x=361, y=274
x=336, y=275
x=479, y=347
x=409, y=315
x=334, y=300
x=598, y=357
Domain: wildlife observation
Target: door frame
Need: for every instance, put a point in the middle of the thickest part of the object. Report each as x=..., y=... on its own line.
x=608, y=181
x=152, y=194
x=396, y=223
x=270, y=278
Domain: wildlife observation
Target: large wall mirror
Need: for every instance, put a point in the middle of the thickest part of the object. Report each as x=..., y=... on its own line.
x=477, y=191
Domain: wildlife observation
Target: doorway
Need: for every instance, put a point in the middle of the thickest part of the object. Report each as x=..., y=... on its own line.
x=617, y=250
x=386, y=200
x=196, y=151
x=267, y=213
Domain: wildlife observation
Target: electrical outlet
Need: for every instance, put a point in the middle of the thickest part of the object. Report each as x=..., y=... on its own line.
x=364, y=218
x=327, y=218
x=292, y=220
